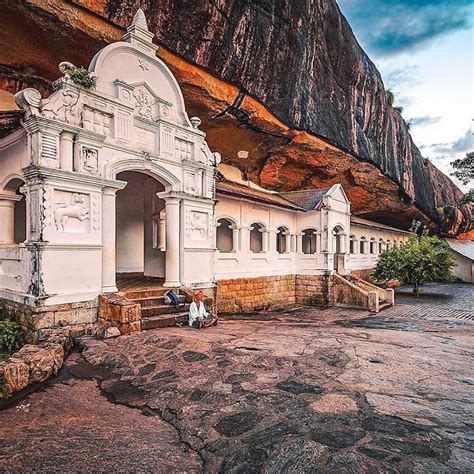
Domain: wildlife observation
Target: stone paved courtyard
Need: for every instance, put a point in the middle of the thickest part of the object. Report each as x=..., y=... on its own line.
x=309, y=390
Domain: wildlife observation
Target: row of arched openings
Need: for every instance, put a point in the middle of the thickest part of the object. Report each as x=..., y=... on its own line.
x=226, y=238
x=372, y=246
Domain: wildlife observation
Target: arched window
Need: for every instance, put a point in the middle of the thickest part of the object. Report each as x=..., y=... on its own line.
x=308, y=241
x=352, y=244
x=225, y=236
x=13, y=219
x=389, y=244
x=381, y=245
x=338, y=233
x=363, y=242
x=373, y=246
x=256, y=238
x=282, y=243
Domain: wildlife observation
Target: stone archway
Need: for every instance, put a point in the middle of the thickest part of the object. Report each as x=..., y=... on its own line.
x=140, y=226
x=141, y=222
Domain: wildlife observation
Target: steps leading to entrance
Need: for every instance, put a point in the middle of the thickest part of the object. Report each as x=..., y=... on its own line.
x=155, y=312
x=164, y=320
x=148, y=311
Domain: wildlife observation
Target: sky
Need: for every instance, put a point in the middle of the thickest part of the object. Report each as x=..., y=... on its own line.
x=424, y=50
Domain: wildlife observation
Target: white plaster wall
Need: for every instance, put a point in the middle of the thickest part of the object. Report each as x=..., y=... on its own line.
x=464, y=268
x=154, y=264
x=13, y=156
x=130, y=223
x=72, y=274
x=358, y=261
x=244, y=263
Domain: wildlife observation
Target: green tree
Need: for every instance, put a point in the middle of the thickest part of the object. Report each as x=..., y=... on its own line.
x=464, y=168
x=422, y=259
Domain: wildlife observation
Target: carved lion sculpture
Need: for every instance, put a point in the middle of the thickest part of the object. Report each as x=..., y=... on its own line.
x=76, y=209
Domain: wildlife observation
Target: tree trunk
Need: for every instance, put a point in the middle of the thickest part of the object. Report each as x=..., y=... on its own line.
x=416, y=290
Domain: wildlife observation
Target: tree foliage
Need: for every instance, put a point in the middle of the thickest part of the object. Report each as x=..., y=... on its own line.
x=464, y=168
x=422, y=259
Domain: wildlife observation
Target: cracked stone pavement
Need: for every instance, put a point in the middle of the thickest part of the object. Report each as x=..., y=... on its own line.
x=308, y=390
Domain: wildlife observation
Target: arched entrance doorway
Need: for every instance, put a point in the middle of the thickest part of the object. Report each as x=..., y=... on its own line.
x=140, y=229
x=339, y=250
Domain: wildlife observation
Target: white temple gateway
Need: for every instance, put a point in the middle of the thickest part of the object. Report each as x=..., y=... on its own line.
x=118, y=181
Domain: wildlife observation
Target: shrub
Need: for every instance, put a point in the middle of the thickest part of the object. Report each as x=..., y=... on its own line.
x=422, y=259
x=81, y=77
x=11, y=337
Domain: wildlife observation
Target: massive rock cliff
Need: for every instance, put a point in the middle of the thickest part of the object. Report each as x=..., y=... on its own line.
x=284, y=80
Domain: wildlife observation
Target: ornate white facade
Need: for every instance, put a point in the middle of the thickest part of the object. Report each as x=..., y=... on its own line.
x=118, y=179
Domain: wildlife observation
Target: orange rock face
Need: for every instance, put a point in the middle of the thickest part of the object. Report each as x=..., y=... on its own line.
x=281, y=155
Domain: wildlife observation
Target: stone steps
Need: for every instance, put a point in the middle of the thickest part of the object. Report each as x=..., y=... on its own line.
x=164, y=320
x=155, y=312
x=384, y=305
x=140, y=294
x=148, y=311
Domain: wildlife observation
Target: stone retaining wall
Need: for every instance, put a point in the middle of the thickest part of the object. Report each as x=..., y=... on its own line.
x=80, y=318
x=253, y=294
x=35, y=363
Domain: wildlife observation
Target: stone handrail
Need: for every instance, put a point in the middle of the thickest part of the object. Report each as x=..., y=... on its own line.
x=349, y=294
x=383, y=294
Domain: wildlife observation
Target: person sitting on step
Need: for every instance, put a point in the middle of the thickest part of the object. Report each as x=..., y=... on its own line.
x=199, y=318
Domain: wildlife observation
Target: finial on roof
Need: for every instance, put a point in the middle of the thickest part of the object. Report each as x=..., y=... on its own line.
x=139, y=19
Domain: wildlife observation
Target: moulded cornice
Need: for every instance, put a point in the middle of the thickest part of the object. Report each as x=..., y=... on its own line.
x=41, y=173
x=13, y=138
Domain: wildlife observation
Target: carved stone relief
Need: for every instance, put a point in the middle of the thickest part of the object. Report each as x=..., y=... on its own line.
x=190, y=183
x=71, y=210
x=96, y=121
x=183, y=149
x=63, y=105
x=144, y=102
x=199, y=225
x=89, y=160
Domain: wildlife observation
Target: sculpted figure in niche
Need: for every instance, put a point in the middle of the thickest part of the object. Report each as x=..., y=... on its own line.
x=76, y=209
x=198, y=224
x=89, y=160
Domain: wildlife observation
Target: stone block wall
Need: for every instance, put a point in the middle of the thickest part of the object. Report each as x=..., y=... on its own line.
x=116, y=311
x=253, y=294
x=80, y=318
x=314, y=290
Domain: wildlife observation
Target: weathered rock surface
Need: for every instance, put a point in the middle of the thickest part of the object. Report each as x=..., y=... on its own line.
x=284, y=80
x=293, y=393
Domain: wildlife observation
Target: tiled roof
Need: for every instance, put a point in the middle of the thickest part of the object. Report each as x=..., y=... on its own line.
x=239, y=190
x=308, y=199
x=464, y=247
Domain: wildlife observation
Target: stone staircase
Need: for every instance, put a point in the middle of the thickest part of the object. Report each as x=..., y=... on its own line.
x=155, y=312
x=352, y=291
x=383, y=302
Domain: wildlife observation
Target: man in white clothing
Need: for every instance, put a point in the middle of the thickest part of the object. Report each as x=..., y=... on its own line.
x=199, y=318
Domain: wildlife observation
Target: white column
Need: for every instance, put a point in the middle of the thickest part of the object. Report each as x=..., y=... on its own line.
x=108, y=240
x=66, y=150
x=7, y=217
x=264, y=241
x=272, y=237
x=235, y=238
x=244, y=241
x=172, y=227
x=299, y=242
x=287, y=242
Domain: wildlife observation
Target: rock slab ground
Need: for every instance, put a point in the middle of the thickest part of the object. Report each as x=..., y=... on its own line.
x=307, y=390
